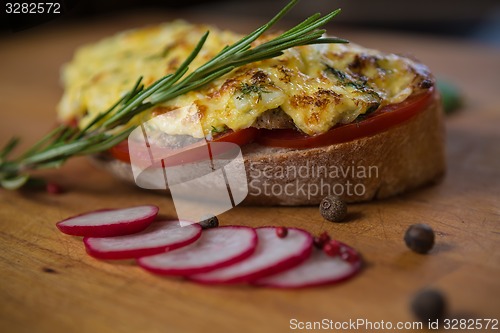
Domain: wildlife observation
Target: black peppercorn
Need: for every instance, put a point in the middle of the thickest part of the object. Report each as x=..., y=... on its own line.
x=333, y=209
x=419, y=238
x=211, y=222
x=429, y=305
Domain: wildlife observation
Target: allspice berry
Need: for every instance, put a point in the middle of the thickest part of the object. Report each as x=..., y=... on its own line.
x=419, y=238
x=333, y=209
x=428, y=305
x=211, y=222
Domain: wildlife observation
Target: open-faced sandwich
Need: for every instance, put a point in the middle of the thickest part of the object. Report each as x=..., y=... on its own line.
x=320, y=119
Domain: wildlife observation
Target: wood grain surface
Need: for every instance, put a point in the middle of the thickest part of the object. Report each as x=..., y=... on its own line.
x=49, y=284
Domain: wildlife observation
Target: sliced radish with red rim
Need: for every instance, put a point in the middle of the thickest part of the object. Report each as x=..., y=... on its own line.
x=273, y=255
x=157, y=238
x=109, y=222
x=319, y=269
x=215, y=248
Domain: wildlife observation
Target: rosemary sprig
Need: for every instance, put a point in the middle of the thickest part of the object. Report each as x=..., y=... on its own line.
x=111, y=126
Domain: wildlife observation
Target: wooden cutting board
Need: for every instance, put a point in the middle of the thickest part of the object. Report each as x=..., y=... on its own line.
x=49, y=284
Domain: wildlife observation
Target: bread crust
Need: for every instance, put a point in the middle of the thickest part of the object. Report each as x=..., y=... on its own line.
x=402, y=158
x=391, y=162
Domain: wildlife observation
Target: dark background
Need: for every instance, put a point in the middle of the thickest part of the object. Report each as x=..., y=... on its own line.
x=477, y=19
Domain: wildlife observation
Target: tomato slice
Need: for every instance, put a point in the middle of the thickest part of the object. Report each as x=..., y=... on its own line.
x=191, y=153
x=378, y=121
x=120, y=151
x=241, y=137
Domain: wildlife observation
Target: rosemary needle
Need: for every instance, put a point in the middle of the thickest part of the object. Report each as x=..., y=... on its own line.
x=110, y=127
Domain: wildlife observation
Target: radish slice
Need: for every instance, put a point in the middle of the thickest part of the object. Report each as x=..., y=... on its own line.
x=109, y=222
x=319, y=269
x=273, y=255
x=216, y=248
x=157, y=238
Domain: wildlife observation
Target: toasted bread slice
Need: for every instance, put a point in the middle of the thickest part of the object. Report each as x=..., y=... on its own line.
x=391, y=162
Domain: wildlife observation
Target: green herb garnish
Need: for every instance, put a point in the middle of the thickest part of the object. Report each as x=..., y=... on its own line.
x=345, y=80
x=451, y=97
x=216, y=130
x=247, y=89
x=340, y=75
x=111, y=126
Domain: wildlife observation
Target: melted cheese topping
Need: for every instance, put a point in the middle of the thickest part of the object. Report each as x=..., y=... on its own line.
x=317, y=86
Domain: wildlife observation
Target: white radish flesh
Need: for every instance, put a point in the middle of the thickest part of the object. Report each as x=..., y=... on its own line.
x=273, y=255
x=319, y=269
x=109, y=222
x=215, y=248
x=159, y=237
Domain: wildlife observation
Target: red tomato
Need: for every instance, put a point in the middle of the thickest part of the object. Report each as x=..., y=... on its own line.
x=192, y=152
x=378, y=121
x=120, y=151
